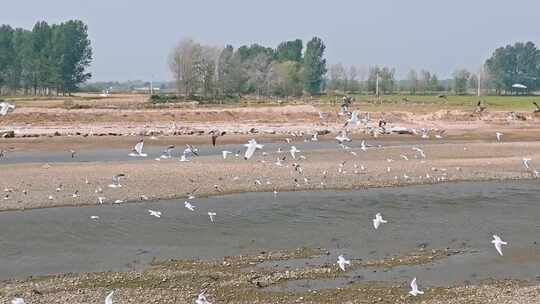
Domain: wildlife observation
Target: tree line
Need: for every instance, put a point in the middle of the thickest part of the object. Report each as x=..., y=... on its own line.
x=287, y=70
x=49, y=59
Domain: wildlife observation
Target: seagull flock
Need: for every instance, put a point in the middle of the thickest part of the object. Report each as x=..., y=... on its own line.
x=343, y=139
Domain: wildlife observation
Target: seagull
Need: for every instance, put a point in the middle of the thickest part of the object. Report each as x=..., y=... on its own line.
x=353, y=120
x=363, y=146
x=497, y=242
x=167, y=154
x=211, y=215
x=137, y=150
x=315, y=136
x=404, y=157
x=251, y=147
x=101, y=200
x=116, y=181
x=293, y=151
x=342, y=137
x=414, y=289
x=73, y=152
x=342, y=262
x=499, y=136
x=190, y=151
x=94, y=217
x=189, y=206
x=17, y=301
x=108, y=299
x=201, y=299
x=5, y=108
x=225, y=153
x=422, y=153
x=526, y=163
x=155, y=213
x=378, y=220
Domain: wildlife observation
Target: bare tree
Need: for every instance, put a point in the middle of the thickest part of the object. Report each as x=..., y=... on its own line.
x=184, y=62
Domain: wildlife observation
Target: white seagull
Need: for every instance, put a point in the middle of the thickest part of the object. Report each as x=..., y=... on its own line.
x=17, y=301
x=137, y=150
x=108, y=299
x=378, y=220
x=422, y=153
x=342, y=262
x=201, y=299
x=499, y=136
x=189, y=206
x=363, y=146
x=167, y=154
x=5, y=108
x=342, y=137
x=116, y=181
x=211, y=215
x=225, y=153
x=293, y=151
x=497, y=242
x=155, y=213
x=414, y=289
x=353, y=120
x=251, y=147
x=526, y=163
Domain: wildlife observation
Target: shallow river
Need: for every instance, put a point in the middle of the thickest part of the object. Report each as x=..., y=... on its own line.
x=457, y=216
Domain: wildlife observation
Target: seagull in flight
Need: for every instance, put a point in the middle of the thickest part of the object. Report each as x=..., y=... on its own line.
x=251, y=147
x=378, y=220
x=167, y=154
x=155, y=213
x=137, y=150
x=189, y=206
x=293, y=151
x=201, y=299
x=108, y=299
x=422, y=153
x=211, y=215
x=499, y=136
x=5, y=108
x=526, y=163
x=498, y=242
x=353, y=121
x=116, y=181
x=225, y=153
x=342, y=262
x=414, y=289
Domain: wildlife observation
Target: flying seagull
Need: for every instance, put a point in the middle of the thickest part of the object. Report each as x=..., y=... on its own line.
x=5, y=108
x=211, y=215
x=342, y=262
x=353, y=120
x=414, y=289
x=116, y=181
x=155, y=213
x=108, y=299
x=201, y=299
x=167, y=154
x=189, y=206
x=378, y=220
x=497, y=242
x=499, y=136
x=251, y=147
x=137, y=150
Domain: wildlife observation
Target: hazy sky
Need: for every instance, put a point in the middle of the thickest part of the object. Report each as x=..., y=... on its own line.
x=132, y=38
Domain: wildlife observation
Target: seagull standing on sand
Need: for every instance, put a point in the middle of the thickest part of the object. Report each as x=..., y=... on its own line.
x=225, y=153
x=116, y=181
x=17, y=301
x=378, y=220
x=108, y=299
x=499, y=136
x=526, y=163
x=251, y=147
x=137, y=150
x=363, y=146
x=498, y=242
x=342, y=262
x=414, y=289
